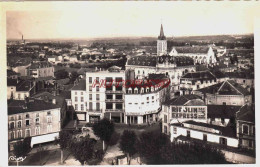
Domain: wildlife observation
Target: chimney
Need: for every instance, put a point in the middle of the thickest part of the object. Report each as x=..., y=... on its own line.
x=53, y=101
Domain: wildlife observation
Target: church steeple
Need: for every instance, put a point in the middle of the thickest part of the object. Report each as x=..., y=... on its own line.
x=161, y=37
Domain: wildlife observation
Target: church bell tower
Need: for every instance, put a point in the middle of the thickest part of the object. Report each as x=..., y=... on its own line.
x=161, y=43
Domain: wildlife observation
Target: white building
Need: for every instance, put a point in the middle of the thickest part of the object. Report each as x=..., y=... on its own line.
x=143, y=99
x=197, y=131
x=183, y=108
x=102, y=95
x=200, y=54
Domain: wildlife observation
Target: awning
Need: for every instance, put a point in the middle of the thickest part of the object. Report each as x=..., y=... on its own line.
x=44, y=138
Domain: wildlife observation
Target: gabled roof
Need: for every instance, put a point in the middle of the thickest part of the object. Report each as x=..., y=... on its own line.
x=24, y=85
x=81, y=85
x=41, y=64
x=246, y=113
x=185, y=100
x=190, y=49
x=199, y=75
x=228, y=87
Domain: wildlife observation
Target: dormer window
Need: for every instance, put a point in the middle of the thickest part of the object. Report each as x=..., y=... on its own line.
x=27, y=116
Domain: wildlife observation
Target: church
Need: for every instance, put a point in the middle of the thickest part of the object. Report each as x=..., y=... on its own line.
x=173, y=66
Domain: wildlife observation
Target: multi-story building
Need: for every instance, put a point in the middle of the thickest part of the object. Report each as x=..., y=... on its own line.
x=225, y=93
x=183, y=108
x=102, y=95
x=40, y=69
x=200, y=54
x=33, y=118
x=245, y=125
x=196, y=80
x=172, y=66
x=144, y=98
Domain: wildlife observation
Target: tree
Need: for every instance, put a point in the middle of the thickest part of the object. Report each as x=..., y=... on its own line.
x=22, y=148
x=104, y=130
x=128, y=143
x=114, y=139
x=65, y=141
x=83, y=149
x=193, y=153
x=61, y=74
x=149, y=145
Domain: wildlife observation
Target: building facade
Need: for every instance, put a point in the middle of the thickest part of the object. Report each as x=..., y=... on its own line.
x=40, y=69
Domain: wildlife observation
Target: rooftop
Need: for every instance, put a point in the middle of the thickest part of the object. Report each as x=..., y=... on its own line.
x=21, y=106
x=246, y=113
x=24, y=85
x=41, y=64
x=228, y=87
x=189, y=49
x=81, y=85
x=185, y=100
x=199, y=75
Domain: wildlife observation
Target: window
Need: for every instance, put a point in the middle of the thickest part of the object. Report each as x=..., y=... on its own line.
x=12, y=125
x=97, y=96
x=76, y=99
x=98, y=106
x=119, y=97
x=12, y=135
x=49, y=113
x=97, y=79
x=109, y=106
x=109, y=96
x=27, y=116
x=76, y=107
x=147, y=98
x=245, y=129
x=97, y=88
x=37, y=130
x=90, y=80
x=152, y=97
x=135, y=91
x=19, y=96
x=49, y=119
x=37, y=115
x=174, y=130
x=19, y=134
x=19, y=124
x=222, y=120
x=205, y=137
x=19, y=117
x=119, y=88
x=119, y=106
x=27, y=133
x=37, y=121
x=224, y=103
x=223, y=141
x=109, y=79
x=90, y=88
x=81, y=93
x=188, y=133
x=90, y=106
x=82, y=107
x=27, y=122
x=90, y=96
x=82, y=99
x=119, y=79
x=253, y=130
x=75, y=93
x=165, y=118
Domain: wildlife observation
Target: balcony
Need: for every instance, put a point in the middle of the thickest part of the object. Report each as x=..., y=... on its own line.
x=114, y=91
x=114, y=110
x=246, y=136
x=115, y=100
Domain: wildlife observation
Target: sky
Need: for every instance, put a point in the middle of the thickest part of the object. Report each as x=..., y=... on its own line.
x=65, y=20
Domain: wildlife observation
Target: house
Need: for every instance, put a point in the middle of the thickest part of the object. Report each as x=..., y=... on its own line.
x=196, y=80
x=11, y=88
x=225, y=93
x=243, y=78
x=190, y=131
x=40, y=69
x=245, y=125
x=24, y=88
x=33, y=118
x=73, y=59
x=181, y=109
